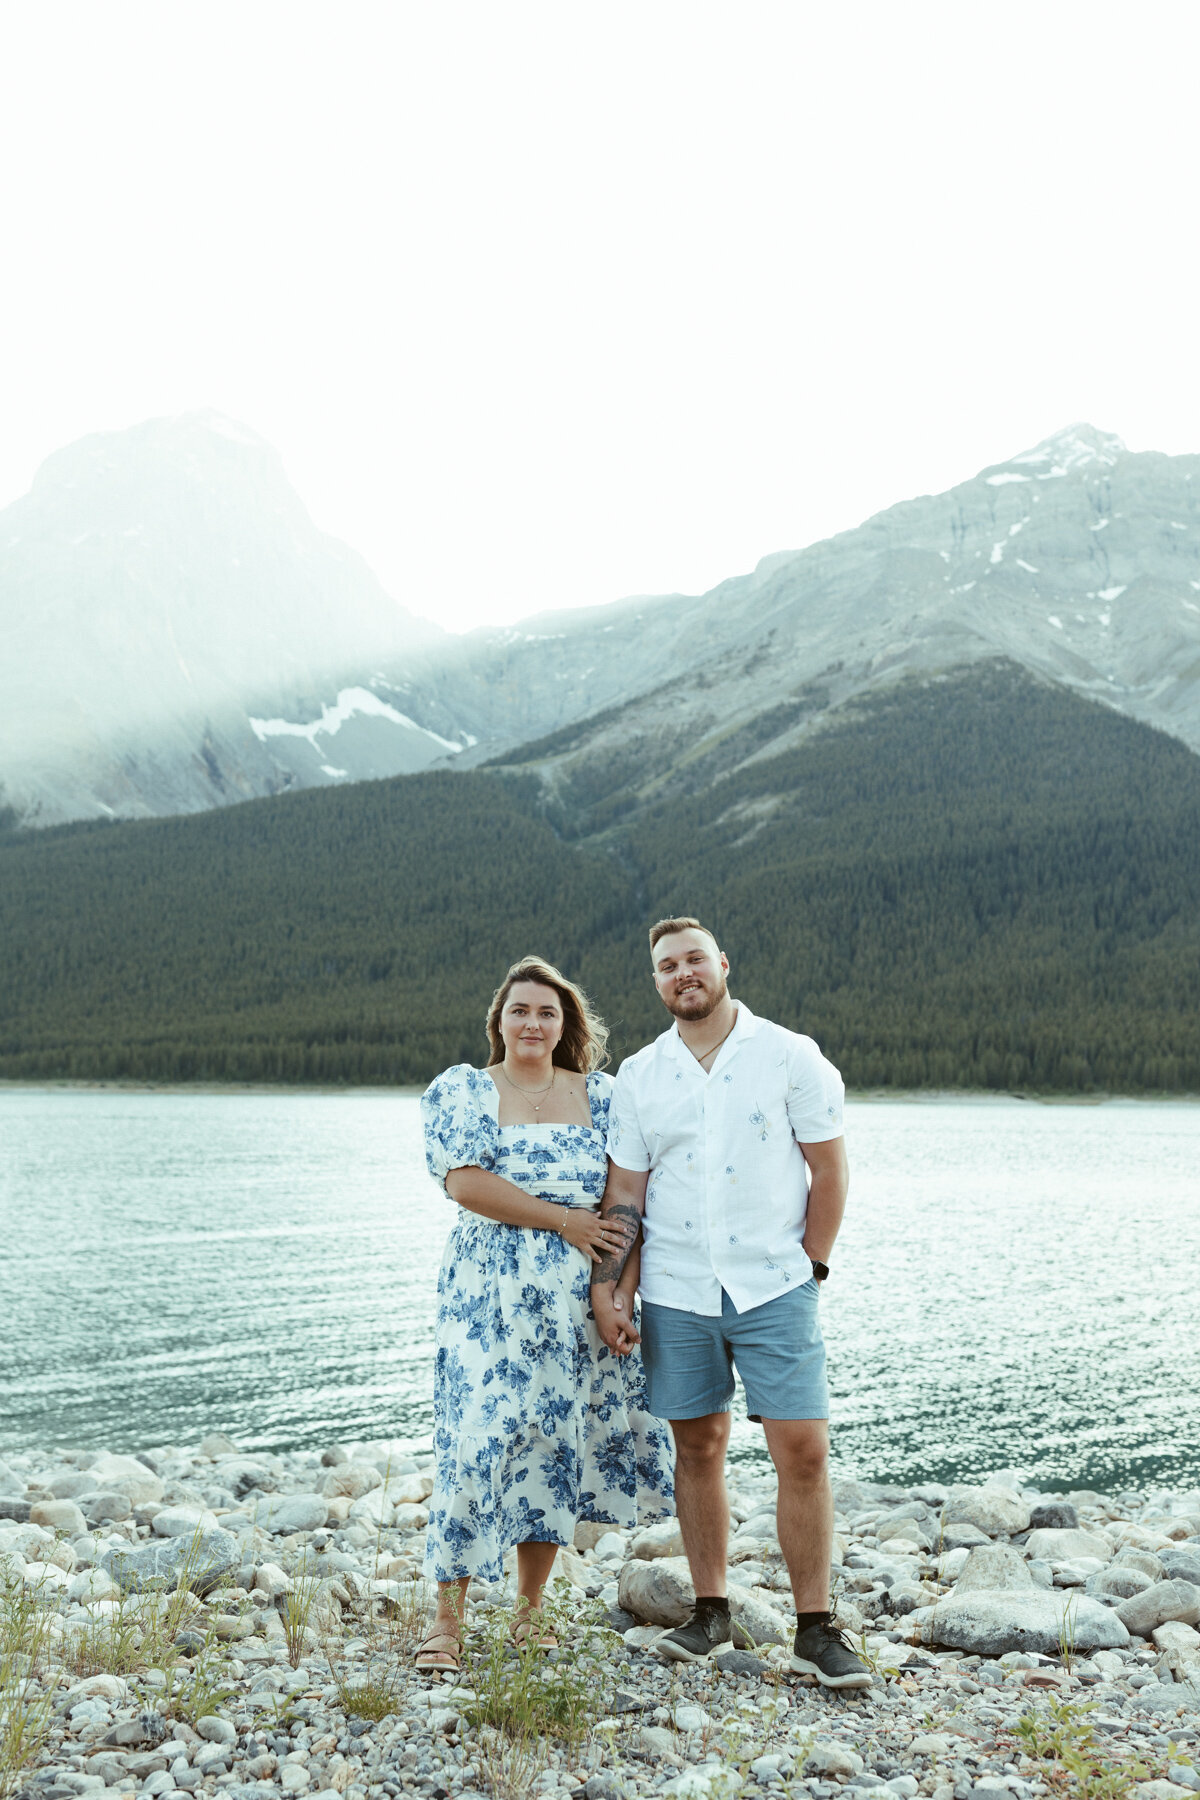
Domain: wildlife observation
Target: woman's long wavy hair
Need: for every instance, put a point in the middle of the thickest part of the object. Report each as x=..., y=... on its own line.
x=583, y=1045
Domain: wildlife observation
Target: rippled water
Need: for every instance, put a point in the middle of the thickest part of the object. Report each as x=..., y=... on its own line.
x=1015, y=1284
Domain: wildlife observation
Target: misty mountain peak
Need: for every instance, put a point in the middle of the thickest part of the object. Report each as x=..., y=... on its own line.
x=1073, y=447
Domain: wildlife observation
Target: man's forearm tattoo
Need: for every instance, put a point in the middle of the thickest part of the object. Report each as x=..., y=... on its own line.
x=612, y=1264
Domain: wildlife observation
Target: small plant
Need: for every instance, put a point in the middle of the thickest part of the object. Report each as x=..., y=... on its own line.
x=373, y=1698
x=1062, y=1735
x=522, y=1692
x=25, y=1714
x=297, y=1605
x=1067, y=1633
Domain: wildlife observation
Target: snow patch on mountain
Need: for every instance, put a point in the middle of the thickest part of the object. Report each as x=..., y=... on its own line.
x=350, y=701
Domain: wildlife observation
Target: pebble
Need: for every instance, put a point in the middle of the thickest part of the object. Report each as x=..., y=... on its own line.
x=962, y=1598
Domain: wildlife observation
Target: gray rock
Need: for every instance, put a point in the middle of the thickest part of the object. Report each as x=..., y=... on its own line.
x=958, y=1535
x=333, y=1456
x=604, y=1787
x=1060, y=1546
x=989, y=1624
x=1131, y=1557
x=285, y=1513
x=828, y=1758
x=216, y=1730
x=207, y=1563
x=994, y=1568
x=1117, y=1583
x=995, y=1510
x=67, y=1484
x=216, y=1445
x=58, y=1515
x=738, y=1662
x=1182, y=1563
x=351, y=1480
x=661, y=1593
x=1054, y=1515
x=1157, y=1605
x=104, y=1508
x=182, y=1522
x=14, y=1509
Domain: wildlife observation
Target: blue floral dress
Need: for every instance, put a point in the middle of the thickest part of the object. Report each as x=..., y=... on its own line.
x=536, y=1423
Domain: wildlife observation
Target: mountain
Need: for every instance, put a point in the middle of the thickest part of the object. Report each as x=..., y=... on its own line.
x=978, y=880
x=178, y=636
x=165, y=600
x=1077, y=560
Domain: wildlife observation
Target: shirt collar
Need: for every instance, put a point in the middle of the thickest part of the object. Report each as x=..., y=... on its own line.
x=745, y=1025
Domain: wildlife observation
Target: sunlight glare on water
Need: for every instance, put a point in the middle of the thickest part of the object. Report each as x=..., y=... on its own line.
x=1014, y=1285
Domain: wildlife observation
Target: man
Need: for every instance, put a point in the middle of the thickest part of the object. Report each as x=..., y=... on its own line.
x=725, y=1148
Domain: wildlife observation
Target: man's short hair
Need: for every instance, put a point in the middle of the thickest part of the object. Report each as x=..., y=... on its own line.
x=664, y=927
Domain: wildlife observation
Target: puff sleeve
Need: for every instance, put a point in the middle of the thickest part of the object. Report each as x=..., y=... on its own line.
x=458, y=1114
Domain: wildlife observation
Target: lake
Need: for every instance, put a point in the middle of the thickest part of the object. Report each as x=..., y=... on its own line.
x=1015, y=1284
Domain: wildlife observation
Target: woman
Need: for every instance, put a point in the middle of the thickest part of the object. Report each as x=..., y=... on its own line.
x=536, y=1423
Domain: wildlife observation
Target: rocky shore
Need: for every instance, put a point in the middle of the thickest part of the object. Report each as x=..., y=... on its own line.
x=227, y=1622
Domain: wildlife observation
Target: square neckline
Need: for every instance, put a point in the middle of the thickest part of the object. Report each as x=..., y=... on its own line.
x=546, y=1124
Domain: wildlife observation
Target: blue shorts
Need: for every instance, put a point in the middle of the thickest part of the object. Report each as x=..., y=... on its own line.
x=776, y=1348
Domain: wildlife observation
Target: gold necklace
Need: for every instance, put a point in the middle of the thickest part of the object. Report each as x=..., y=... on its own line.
x=707, y=1053
x=525, y=1092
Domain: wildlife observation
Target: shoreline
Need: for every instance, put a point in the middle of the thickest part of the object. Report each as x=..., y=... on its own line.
x=412, y=1091
x=282, y=1660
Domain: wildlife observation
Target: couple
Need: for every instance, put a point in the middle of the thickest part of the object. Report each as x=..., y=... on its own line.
x=711, y=1175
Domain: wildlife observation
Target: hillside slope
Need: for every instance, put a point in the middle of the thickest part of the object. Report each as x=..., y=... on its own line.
x=979, y=881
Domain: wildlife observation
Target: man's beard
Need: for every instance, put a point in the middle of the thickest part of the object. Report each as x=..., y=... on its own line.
x=695, y=1012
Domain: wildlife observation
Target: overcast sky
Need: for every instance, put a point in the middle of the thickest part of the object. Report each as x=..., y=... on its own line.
x=546, y=304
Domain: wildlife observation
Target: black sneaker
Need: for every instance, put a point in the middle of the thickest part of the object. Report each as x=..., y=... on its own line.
x=707, y=1630
x=822, y=1650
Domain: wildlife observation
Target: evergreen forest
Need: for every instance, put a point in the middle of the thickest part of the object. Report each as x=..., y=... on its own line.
x=979, y=881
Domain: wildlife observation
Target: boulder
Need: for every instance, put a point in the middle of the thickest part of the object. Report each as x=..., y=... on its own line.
x=1053, y=1515
x=1117, y=1583
x=352, y=1480
x=1180, y=1644
x=828, y=1758
x=204, y=1563
x=661, y=1593
x=1134, y=1557
x=282, y=1514
x=1181, y=1563
x=663, y=1539
x=182, y=1522
x=995, y=1510
x=1065, y=1545
x=372, y=1510
x=216, y=1445
x=58, y=1515
x=1035, y=1619
x=1158, y=1605
x=994, y=1568
x=588, y=1533
x=67, y=1484
x=104, y=1507
x=127, y=1475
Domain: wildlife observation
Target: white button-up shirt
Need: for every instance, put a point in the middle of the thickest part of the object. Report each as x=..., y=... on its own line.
x=728, y=1190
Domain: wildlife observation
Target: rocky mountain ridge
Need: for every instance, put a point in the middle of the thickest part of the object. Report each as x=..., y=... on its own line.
x=234, y=651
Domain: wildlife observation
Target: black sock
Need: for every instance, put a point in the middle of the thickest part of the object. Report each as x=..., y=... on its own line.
x=717, y=1603
x=804, y=1620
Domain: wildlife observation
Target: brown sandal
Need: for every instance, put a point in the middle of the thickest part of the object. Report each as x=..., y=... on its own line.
x=446, y=1646
x=526, y=1632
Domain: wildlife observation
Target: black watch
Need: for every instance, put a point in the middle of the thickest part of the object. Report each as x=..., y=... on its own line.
x=819, y=1269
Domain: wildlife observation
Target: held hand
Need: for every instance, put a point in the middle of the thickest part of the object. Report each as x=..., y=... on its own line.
x=596, y=1237
x=627, y=1333
x=613, y=1322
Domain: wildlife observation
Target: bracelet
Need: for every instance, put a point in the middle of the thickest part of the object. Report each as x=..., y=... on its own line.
x=566, y=1216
